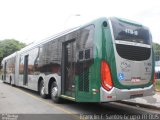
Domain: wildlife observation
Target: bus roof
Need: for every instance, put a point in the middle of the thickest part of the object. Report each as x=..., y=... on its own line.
x=34, y=44
x=38, y=43
x=48, y=39
x=10, y=56
x=129, y=21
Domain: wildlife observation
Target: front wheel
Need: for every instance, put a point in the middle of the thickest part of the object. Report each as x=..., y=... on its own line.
x=54, y=93
x=42, y=90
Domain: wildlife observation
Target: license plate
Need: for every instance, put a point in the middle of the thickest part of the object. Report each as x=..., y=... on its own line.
x=137, y=95
x=135, y=80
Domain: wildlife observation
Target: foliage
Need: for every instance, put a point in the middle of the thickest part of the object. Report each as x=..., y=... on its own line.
x=9, y=46
x=158, y=85
x=156, y=48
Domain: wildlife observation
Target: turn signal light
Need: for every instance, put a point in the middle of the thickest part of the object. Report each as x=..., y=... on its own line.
x=106, y=79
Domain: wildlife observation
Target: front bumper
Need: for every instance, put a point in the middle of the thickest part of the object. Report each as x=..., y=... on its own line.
x=121, y=94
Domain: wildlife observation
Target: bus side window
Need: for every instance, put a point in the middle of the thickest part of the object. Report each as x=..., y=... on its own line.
x=86, y=37
x=85, y=44
x=85, y=50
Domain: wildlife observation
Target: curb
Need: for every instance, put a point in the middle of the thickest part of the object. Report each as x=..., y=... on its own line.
x=140, y=104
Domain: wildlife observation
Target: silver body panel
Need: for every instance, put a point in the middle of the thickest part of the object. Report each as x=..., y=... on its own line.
x=33, y=82
x=32, y=79
x=133, y=69
x=10, y=75
x=121, y=94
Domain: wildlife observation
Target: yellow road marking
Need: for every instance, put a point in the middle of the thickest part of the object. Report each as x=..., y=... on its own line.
x=53, y=105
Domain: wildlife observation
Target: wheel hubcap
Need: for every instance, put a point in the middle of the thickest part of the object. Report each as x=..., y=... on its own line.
x=54, y=91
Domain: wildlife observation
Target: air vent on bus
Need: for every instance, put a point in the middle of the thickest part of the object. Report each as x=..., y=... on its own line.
x=84, y=81
x=87, y=54
x=133, y=52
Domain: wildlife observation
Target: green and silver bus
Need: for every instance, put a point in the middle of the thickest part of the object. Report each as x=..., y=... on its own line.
x=108, y=59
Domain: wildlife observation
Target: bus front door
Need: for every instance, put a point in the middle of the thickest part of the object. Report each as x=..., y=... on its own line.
x=5, y=71
x=68, y=68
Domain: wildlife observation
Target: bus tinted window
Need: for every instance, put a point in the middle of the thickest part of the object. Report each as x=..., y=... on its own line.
x=85, y=44
x=130, y=32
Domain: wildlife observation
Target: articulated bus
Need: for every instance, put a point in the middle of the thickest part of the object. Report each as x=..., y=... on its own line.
x=108, y=59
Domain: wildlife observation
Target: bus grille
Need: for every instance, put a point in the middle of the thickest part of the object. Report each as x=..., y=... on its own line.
x=84, y=81
x=133, y=52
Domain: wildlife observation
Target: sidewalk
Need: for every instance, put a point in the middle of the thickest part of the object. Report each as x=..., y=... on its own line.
x=147, y=102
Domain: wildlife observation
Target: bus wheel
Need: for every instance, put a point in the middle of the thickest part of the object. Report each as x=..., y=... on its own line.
x=10, y=80
x=54, y=93
x=41, y=90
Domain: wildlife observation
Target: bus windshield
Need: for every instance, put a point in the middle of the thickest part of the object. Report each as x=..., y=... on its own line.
x=130, y=32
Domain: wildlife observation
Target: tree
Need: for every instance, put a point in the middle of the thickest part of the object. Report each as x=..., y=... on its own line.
x=156, y=48
x=9, y=46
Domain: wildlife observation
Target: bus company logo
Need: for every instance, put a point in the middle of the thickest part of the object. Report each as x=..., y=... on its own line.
x=121, y=76
x=125, y=66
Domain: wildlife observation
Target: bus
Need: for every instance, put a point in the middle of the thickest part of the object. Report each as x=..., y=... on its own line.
x=108, y=59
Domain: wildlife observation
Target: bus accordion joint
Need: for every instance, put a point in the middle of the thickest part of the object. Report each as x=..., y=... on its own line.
x=106, y=79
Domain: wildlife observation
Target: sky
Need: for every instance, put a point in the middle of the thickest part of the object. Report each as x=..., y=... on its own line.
x=33, y=20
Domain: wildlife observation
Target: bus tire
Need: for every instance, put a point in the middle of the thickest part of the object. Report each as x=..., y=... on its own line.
x=10, y=80
x=42, y=89
x=54, y=93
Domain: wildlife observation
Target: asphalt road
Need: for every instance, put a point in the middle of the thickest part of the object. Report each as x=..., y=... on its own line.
x=27, y=105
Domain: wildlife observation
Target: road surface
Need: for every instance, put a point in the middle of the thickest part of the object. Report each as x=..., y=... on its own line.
x=19, y=103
